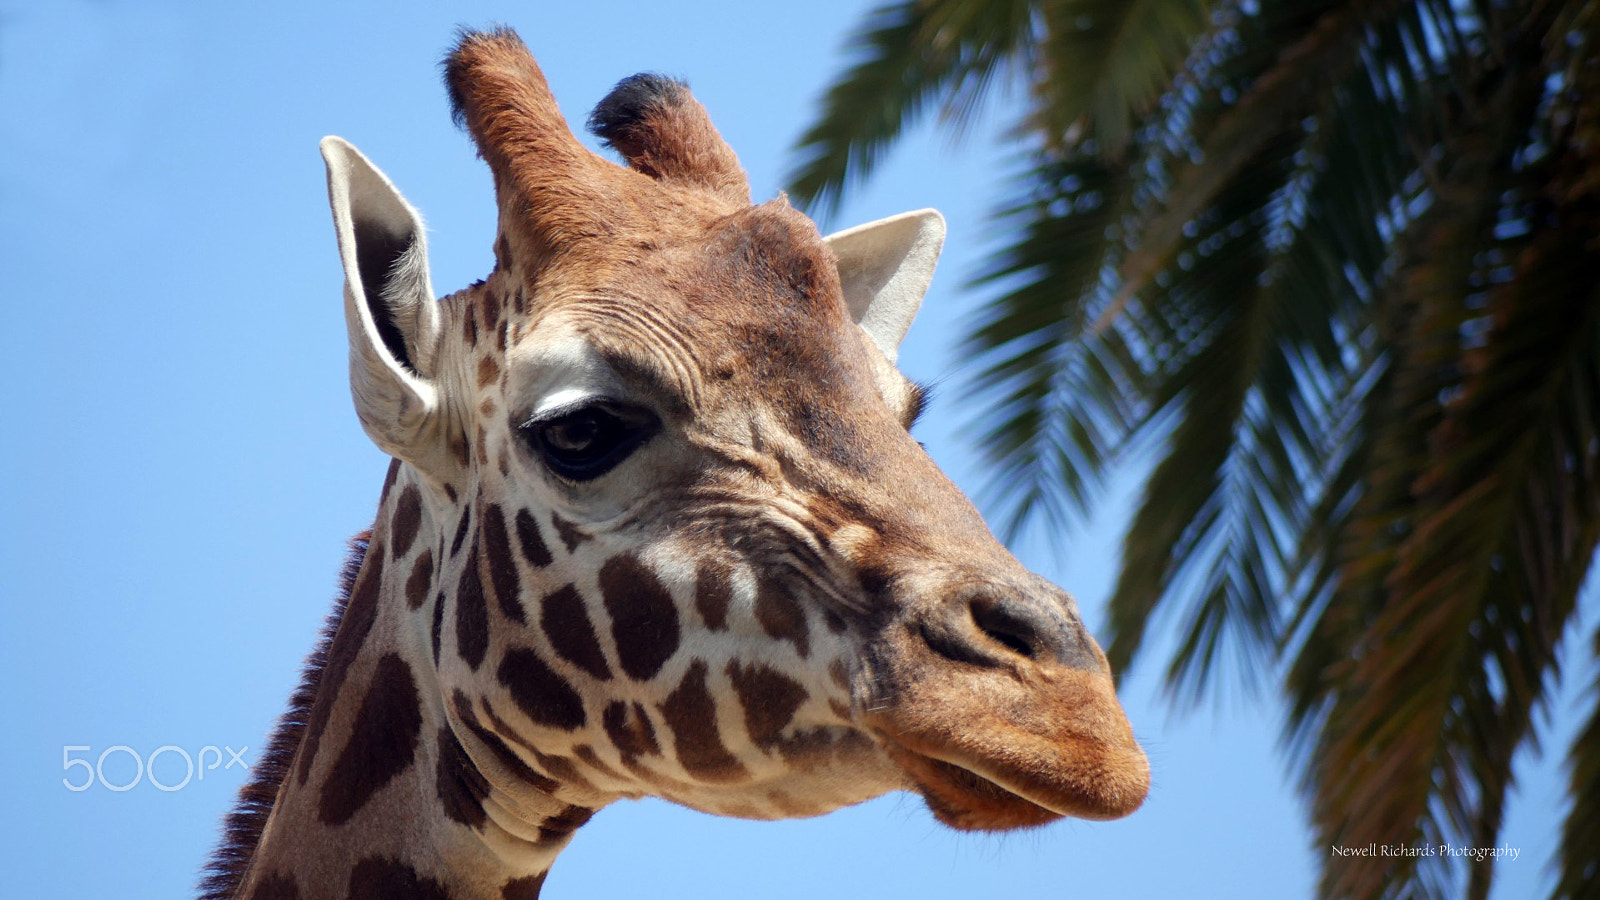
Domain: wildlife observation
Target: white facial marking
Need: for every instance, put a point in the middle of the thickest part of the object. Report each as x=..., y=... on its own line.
x=564, y=398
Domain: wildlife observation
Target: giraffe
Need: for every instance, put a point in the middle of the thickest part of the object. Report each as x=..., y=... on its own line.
x=654, y=526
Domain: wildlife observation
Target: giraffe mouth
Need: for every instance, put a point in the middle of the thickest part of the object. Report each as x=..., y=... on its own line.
x=986, y=761
x=963, y=799
x=975, y=794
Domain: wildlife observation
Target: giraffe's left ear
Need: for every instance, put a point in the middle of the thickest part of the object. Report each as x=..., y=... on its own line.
x=389, y=306
x=885, y=267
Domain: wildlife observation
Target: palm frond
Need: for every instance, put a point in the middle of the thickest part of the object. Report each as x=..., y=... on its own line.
x=1107, y=63
x=1338, y=262
x=1207, y=521
x=1580, y=831
x=908, y=54
x=1323, y=54
x=1463, y=557
x=1060, y=408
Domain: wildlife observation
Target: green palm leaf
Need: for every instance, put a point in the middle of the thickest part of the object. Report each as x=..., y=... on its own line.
x=1336, y=264
x=908, y=55
x=1580, y=871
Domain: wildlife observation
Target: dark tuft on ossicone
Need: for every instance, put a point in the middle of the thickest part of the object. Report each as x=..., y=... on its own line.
x=631, y=102
x=660, y=130
x=455, y=64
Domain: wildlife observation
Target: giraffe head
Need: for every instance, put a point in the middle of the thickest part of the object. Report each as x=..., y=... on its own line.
x=689, y=548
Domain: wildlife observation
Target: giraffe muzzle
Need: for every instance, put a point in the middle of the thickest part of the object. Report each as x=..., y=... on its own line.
x=1001, y=709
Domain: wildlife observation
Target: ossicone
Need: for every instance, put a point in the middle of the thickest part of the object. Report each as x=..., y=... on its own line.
x=662, y=131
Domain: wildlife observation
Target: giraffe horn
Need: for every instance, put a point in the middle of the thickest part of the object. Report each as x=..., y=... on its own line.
x=499, y=94
x=664, y=132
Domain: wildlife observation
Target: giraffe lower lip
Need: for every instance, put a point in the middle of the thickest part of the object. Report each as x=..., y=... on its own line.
x=963, y=799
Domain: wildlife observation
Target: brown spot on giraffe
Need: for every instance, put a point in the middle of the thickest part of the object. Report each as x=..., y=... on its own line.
x=383, y=742
x=386, y=878
x=501, y=564
x=437, y=630
x=420, y=582
x=561, y=825
x=770, y=700
x=526, y=888
x=628, y=726
x=644, y=620
x=407, y=519
x=531, y=541
x=713, y=593
x=458, y=783
x=461, y=532
x=469, y=325
x=488, y=371
x=565, y=619
x=542, y=695
x=781, y=617
x=492, y=305
x=691, y=714
x=472, y=613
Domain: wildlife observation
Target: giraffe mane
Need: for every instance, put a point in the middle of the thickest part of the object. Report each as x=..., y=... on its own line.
x=241, y=830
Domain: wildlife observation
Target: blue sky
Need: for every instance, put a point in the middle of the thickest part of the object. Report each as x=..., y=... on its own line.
x=184, y=466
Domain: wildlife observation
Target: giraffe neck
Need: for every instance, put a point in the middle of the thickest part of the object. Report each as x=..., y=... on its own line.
x=383, y=797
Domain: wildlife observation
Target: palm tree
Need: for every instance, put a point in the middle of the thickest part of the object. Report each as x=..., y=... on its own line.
x=1339, y=263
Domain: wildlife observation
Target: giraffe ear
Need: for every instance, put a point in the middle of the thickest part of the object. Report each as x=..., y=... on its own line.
x=388, y=303
x=885, y=268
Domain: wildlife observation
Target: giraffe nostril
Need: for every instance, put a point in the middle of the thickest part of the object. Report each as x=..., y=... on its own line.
x=992, y=625
x=1008, y=625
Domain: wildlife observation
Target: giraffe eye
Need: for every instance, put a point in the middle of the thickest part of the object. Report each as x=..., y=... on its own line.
x=585, y=442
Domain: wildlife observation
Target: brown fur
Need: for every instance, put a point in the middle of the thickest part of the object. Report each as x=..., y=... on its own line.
x=663, y=132
x=499, y=93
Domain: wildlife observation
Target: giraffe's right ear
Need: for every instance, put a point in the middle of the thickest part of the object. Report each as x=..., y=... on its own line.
x=389, y=307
